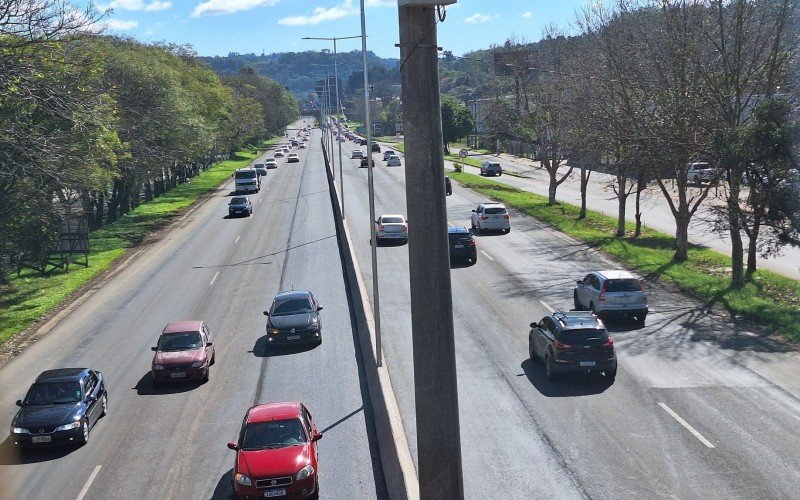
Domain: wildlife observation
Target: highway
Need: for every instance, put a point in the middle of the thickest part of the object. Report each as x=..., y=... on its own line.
x=171, y=442
x=702, y=406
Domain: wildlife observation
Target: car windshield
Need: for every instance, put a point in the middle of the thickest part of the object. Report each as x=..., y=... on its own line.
x=623, y=285
x=239, y=200
x=581, y=336
x=49, y=393
x=291, y=306
x=493, y=165
x=273, y=434
x=259, y=165
x=180, y=341
x=392, y=220
x=245, y=174
x=494, y=210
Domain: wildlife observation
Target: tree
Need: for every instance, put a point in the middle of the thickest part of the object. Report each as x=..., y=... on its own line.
x=457, y=121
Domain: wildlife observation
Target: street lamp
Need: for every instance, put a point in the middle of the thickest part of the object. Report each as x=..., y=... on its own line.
x=338, y=106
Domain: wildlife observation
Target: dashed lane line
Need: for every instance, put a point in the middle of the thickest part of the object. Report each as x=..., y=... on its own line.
x=547, y=306
x=216, y=275
x=686, y=425
x=88, y=483
x=487, y=255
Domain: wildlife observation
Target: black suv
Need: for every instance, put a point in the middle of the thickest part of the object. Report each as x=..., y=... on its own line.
x=376, y=148
x=462, y=246
x=574, y=341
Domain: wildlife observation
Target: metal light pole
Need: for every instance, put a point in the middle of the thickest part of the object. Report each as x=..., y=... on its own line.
x=338, y=107
x=370, y=164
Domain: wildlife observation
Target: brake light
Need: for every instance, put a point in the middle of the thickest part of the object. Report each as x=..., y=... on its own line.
x=505, y=216
x=602, y=296
x=484, y=217
x=609, y=342
x=641, y=288
x=405, y=227
x=471, y=243
x=380, y=227
x=561, y=345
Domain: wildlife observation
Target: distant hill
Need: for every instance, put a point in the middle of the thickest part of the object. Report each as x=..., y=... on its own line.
x=298, y=71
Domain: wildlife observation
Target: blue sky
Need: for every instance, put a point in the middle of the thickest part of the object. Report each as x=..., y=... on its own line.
x=217, y=27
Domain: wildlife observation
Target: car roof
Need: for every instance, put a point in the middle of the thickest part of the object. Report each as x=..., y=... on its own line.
x=615, y=275
x=457, y=230
x=274, y=411
x=61, y=375
x=577, y=320
x=183, y=326
x=493, y=204
x=245, y=168
x=391, y=215
x=292, y=294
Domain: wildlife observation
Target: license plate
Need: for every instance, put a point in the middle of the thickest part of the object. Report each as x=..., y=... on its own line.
x=41, y=439
x=458, y=246
x=177, y=375
x=279, y=492
x=395, y=235
x=293, y=337
x=587, y=363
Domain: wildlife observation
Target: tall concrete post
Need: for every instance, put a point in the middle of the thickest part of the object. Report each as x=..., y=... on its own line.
x=435, y=388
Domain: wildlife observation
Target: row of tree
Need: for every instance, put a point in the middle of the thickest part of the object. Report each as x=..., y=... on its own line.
x=91, y=124
x=651, y=85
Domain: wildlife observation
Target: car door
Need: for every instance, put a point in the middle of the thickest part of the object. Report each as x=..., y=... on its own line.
x=583, y=290
x=540, y=337
x=476, y=215
x=312, y=431
x=91, y=397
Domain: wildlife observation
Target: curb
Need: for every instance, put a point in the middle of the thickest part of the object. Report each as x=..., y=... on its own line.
x=398, y=466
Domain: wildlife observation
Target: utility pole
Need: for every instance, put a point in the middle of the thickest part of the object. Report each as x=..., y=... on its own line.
x=435, y=385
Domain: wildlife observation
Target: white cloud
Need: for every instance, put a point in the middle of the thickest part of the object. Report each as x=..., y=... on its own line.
x=527, y=15
x=119, y=24
x=478, y=18
x=229, y=6
x=320, y=14
x=156, y=5
x=380, y=3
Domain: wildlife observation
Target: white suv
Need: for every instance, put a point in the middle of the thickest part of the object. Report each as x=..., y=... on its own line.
x=612, y=293
x=491, y=216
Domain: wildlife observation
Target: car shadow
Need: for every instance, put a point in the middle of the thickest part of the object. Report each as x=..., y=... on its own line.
x=566, y=384
x=263, y=349
x=145, y=386
x=224, y=488
x=622, y=325
x=487, y=232
x=10, y=454
x=236, y=216
x=392, y=243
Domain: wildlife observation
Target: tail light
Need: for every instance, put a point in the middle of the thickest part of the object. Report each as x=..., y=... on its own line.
x=505, y=216
x=380, y=227
x=609, y=342
x=484, y=217
x=602, y=296
x=405, y=227
x=471, y=243
x=641, y=288
x=561, y=345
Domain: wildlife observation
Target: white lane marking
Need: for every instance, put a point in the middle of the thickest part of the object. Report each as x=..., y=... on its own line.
x=88, y=483
x=487, y=255
x=686, y=425
x=546, y=306
x=216, y=275
x=237, y=239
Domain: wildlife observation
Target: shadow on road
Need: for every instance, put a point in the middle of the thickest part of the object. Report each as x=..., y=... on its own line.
x=145, y=386
x=263, y=349
x=488, y=232
x=236, y=216
x=352, y=413
x=391, y=242
x=461, y=263
x=224, y=489
x=566, y=385
x=13, y=455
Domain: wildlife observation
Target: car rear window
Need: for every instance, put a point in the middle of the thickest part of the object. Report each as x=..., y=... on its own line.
x=494, y=210
x=622, y=285
x=258, y=165
x=459, y=238
x=494, y=165
x=238, y=200
x=578, y=336
x=392, y=220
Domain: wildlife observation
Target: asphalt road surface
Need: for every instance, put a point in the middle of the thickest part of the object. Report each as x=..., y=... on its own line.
x=702, y=407
x=171, y=442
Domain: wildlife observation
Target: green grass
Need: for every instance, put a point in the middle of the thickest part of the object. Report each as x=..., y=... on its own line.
x=768, y=298
x=31, y=295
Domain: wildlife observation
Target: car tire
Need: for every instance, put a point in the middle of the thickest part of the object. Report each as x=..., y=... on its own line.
x=154, y=380
x=205, y=377
x=84, y=437
x=315, y=495
x=549, y=370
x=592, y=308
x=104, y=405
x=478, y=229
x=611, y=375
x=213, y=359
x=531, y=354
x=578, y=306
x=473, y=225
x=640, y=319
x=508, y=230
x=499, y=174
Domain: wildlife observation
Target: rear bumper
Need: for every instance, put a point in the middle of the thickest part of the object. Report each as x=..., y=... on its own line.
x=193, y=374
x=574, y=366
x=463, y=254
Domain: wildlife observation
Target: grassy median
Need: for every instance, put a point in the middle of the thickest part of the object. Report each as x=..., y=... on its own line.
x=768, y=298
x=31, y=295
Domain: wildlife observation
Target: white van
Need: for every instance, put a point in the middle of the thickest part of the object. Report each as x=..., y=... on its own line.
x=247, y=180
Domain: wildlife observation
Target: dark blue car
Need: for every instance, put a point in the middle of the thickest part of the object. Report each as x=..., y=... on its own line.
x=61, y=407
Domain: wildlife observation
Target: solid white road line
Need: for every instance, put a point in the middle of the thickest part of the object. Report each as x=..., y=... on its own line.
x=88, y=483
x=546, y=306
x=237, y=239
x=450, y=224
x=216, y=275
x=487, y=255
x=686, y=424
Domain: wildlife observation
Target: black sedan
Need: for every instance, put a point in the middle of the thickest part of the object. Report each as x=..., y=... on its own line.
x=240, y=205
x=61, y=407
x=294, y=319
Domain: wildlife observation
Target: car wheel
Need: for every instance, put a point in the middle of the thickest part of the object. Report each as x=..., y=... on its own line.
x=205, y=377
x=508, y=230
x=578, y=306
x=499, y=174
x=531, y=354
x=611, y=375
x=549, y=371
x=315, y=495
x=641, y=319
x=472, y=224
x=155, y=381
x=213, y=359
x=104, y=405
x=592, y=308
x=84, y=432
x=478, y=229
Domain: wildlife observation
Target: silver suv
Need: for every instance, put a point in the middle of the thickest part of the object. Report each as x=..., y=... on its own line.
x=612, y=293
x=491, y=168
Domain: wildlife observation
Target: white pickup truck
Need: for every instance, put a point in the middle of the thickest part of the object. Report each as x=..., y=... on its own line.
x=247, y=180
x=699, y=172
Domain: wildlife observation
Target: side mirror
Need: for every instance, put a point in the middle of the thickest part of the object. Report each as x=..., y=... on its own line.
x=233, y=446
x=19, y=402
x=534, y=324
x=319, y=308
x=91, y=398
x=154, y=348
x=209, y=344
x=266, y=313
x=580, y=282
x=316, y=437
x=473, y=210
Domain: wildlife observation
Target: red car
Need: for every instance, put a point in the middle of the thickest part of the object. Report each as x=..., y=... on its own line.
x=184, y=352
x=276, y=454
